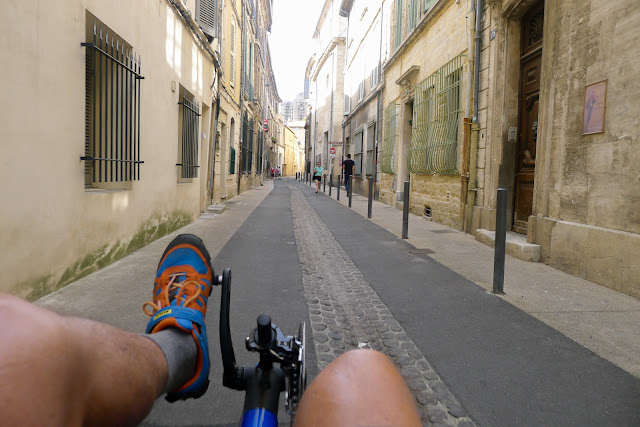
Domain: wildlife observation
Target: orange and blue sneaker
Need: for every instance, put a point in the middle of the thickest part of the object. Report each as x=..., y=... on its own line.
x=180, y=293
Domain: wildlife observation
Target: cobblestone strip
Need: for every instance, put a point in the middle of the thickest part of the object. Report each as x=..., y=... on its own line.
x=346, y=313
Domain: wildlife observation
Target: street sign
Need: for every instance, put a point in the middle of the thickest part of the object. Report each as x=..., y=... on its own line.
x=332, y=150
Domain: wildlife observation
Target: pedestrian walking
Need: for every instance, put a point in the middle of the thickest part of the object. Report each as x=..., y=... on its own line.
x=317, y=175
x=347, y=171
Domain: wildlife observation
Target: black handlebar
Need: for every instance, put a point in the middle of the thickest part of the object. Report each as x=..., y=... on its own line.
x=264, y=330
x=264, y=382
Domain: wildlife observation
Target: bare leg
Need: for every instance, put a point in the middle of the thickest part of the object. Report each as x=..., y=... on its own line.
x=58, y=370
x=361, y=387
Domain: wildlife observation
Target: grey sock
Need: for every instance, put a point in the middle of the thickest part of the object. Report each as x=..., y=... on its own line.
x=180, y=351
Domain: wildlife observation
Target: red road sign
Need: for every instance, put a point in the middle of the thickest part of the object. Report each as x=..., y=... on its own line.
x=332, y=150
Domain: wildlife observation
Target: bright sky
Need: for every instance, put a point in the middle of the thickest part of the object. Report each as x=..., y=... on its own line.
x=291, y=42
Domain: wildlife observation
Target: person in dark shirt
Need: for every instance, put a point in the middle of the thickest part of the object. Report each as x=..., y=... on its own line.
x=347, y=168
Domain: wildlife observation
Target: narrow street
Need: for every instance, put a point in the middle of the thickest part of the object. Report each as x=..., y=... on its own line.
x=468, y=356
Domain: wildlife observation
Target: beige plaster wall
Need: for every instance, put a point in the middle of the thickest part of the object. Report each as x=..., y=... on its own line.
x=53, y=229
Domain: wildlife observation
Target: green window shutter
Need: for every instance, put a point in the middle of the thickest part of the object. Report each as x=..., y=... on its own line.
x=398, y=35
x=428, y=4
x=232, y=161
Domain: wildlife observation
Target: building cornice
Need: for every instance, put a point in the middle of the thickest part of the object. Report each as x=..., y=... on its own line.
x=332, y=44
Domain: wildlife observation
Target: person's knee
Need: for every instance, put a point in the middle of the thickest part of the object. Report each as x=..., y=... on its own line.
x=360, y=386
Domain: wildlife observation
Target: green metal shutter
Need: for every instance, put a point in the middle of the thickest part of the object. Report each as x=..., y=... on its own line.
x=398, y=35
x=428, y=4
x=232, y=161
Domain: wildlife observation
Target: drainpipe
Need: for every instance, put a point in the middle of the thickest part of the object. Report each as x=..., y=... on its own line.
x=315, y=125
x=243, y=43
x=475, y=127
x=476, y=85
x=333, y=69
x=380, y=102
x=213, y=136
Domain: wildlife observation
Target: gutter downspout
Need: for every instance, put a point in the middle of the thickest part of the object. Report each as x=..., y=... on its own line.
x=243, y=43
x=315, y=125
x=379, y=104
x=213, y=132
x=333, y=69
x=475, y=126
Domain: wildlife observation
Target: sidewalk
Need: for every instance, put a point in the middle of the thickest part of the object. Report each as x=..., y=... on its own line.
x=602, y=320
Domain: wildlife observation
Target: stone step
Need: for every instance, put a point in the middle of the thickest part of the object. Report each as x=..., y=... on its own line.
x=516, y=244
x=217, y=209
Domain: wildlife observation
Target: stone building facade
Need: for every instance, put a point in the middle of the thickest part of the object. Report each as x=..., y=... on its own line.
x=558, y=92
x=426, y=97
x=326, y=76
x=544, y=109
x=366, y=51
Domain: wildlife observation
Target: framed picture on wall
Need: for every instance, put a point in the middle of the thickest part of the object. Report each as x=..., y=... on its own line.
x=594, y=108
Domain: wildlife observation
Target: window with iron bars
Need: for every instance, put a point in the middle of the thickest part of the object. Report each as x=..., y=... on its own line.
x=388, y=161
x=188, y=125
x=434, y=138
x=357, y=153
x=247, y=143
x=112, y=108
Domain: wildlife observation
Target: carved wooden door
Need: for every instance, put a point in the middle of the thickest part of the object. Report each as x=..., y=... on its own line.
x=531, y=56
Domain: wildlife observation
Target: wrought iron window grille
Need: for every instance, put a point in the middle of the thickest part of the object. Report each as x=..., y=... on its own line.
x=112, y=109
x=189, y=138
x=388, y=161
x=434, y=137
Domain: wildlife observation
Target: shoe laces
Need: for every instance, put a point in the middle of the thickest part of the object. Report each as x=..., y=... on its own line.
x=179, y=291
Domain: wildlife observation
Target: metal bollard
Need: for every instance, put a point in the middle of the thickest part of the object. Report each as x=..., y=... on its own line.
x=405, y=212
x=339, y=181
x=330, y=183
x=324, y=184
x=370, y=198
x=350, y=192
x=501, y=237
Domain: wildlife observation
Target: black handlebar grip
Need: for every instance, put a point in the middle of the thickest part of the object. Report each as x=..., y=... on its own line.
x=264, y=329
